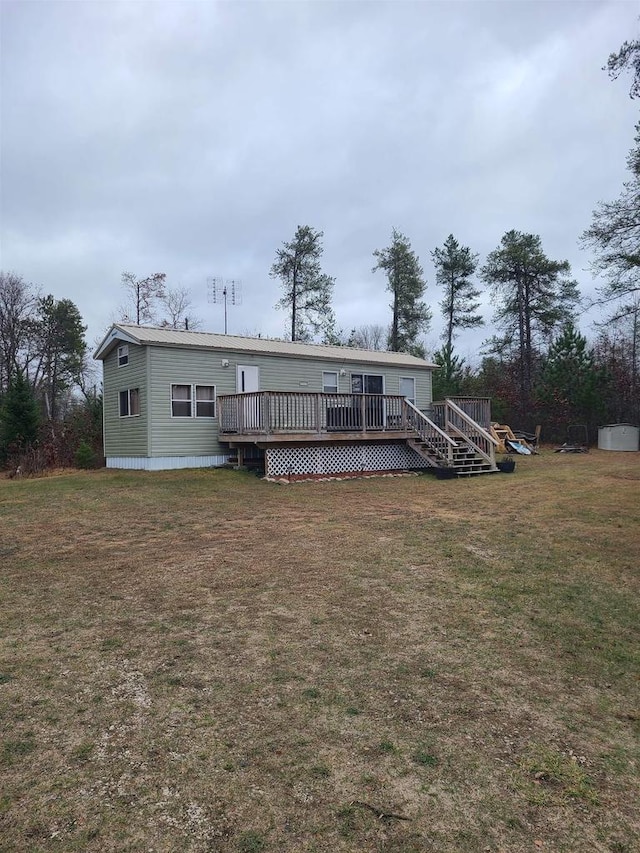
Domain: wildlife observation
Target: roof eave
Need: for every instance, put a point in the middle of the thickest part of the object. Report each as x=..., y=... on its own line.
x=117, y=334
x=110, y=340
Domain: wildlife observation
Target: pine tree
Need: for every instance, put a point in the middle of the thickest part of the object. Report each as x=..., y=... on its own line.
x=615, y=235
x=570, y=385
x=455, y=264
x=405, y=281
x=307, y=290
x=19, y=418
x=534, y=297
x=447, y=381
x=61, y=351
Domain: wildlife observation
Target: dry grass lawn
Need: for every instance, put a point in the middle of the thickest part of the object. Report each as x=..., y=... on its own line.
x=204, y=661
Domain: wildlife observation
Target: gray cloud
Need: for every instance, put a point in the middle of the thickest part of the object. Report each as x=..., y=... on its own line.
x=192, y=138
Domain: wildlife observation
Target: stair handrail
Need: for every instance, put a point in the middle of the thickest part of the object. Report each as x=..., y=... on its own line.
x=470, y=421
x=420, y=416
x=488, y=442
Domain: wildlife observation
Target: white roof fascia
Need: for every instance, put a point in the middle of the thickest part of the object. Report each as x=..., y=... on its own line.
x=115, y=333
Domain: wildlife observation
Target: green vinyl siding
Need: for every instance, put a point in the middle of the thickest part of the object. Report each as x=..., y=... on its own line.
x=195, y=436
x=155, y=368
x=184, y=436
x=125, y=436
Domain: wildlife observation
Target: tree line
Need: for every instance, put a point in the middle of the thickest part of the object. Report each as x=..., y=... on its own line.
x=50, y=404
x=536, y=368
x=50, y=410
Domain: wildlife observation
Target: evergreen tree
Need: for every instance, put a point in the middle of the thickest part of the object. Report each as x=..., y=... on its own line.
x=455, y=264
x=570, y=388
x=405, y=281
x=534, y=296
x=19, y=418
x=627, y=58
x=617, y=352
x=615, y=234
x=615, y=229
x=61, y=349
x=447, y=382
x=307, y=290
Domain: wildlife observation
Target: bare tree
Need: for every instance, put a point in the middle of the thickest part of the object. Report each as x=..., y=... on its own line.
x=371, y=336
x=143, y=294
x=178, y=308
x=18, y=302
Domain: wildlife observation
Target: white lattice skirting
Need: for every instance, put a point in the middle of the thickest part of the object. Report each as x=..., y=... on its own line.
x=312, y=461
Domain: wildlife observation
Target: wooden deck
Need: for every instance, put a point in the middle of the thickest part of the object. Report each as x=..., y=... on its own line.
x=266, y=417
x=289, y=418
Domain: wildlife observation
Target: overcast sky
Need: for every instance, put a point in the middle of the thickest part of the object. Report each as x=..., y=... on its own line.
x=192, y=138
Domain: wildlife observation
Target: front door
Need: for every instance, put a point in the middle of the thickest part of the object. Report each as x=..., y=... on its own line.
x=248, y=382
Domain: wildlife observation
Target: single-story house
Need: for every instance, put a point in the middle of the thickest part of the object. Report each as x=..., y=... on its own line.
x=182, y=399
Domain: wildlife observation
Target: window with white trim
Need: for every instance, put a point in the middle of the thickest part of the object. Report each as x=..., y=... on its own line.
x=188, y=401
x=129, y=402
x=123, y=355
x=181, y=401
x=329, y=382
x=205, y=401
x=408, y=388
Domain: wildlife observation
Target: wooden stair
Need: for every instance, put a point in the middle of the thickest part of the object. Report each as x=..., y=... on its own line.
x=459, y=446
x=466, y=460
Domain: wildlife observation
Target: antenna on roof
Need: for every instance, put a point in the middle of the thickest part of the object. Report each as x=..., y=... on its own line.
x=219, y=291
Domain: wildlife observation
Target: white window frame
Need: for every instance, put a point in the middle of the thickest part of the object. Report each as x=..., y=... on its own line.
x=188, y=400
x=123, y=355
x=206, y=402
x=329, y=387
x=192, y=400
x=413, y=380
x=133, y=394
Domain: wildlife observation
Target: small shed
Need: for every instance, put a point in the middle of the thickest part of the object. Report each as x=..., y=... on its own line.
x=619, y=437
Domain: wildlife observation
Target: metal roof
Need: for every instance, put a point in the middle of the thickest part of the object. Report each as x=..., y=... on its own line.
x=150, y=336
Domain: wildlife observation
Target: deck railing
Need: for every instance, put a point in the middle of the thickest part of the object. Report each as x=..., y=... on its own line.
x=266, y=412
x=460, y=423
x=478, y=409
x=272, y=413
x=436, y=439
